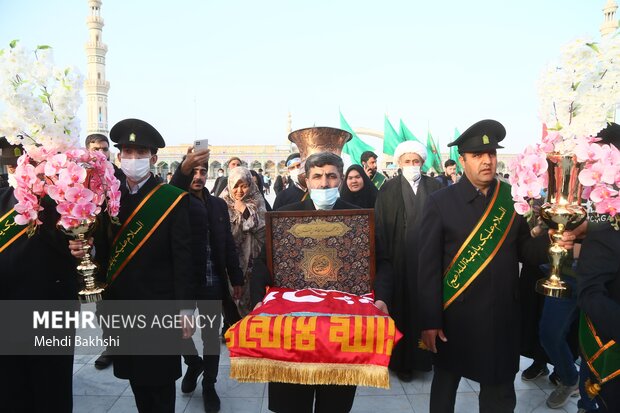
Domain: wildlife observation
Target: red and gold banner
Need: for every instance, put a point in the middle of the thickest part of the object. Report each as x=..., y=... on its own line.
x=313, y=336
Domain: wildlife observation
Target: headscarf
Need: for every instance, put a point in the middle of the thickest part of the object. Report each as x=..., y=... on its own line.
x=253, y=199
x=365, y=197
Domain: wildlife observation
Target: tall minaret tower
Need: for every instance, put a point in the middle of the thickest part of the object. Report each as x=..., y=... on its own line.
x=95, y=85
x=610, y=24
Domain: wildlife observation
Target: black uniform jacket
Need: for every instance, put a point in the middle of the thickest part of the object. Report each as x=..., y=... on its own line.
x=383, y=275
x=211, y=215
x=160, y=270
x=482, y=324
x=290, y=195
x=599, y=281
x=40, y=267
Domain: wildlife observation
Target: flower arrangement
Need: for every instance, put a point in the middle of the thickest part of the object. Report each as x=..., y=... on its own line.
x=40, y=104
x=578, y=96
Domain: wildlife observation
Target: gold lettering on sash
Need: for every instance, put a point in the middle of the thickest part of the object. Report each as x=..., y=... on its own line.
x=474, y=249
x=128, y=240
x=7, y=227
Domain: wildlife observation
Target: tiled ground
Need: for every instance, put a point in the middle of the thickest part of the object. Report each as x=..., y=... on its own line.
x=99, y=391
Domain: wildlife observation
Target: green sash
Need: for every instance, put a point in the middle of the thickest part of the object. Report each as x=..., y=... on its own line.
x=603, y=358
x=142, y=223
x=9, y=230
x=481, y=245
x=378, y=180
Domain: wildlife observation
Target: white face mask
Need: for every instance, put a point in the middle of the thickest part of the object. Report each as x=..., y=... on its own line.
x=220, y=174
x=411, y=173
x=136, y=169
x=12, y=181
x=324, y=198
x=294, y=174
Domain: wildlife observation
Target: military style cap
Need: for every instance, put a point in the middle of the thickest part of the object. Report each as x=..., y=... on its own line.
x=136, y=132
x=9, y=153
x=482, y=136
x=610, y=135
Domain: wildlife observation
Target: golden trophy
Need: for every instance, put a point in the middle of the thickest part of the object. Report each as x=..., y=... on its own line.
x=92, y=291
x=317, y=139
x=561, y=211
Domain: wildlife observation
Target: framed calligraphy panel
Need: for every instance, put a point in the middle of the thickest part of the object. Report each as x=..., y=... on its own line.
x=332, y=250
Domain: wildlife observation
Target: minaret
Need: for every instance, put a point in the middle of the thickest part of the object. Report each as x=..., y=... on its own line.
x=96, y=86
x=289, y=128
x=610, y=24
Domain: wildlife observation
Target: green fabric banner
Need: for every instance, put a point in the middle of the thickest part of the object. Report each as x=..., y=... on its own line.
x=481, y=246
x=9, y=230
x=391, y=138
x=406, y=133
x=433, y=157
x=454, y=152
x=139, y=227
x=355, y=147
x=602, y=357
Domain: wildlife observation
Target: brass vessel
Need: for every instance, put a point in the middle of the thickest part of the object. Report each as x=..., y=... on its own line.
x=93, y=290
x=562, y=211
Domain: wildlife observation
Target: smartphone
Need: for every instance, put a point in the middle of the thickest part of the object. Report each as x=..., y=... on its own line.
x=201, y=144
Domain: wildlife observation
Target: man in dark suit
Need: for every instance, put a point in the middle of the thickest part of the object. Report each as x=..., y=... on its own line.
x=157, y=266
x=471, y=244
x=324, y=173
x=38, y=267
x=215, y=263
x=398, y=213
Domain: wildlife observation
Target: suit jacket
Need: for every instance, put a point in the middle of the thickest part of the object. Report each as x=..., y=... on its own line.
x=482, y=324
x=599, y=281
x=261, y=278
x=290, y=195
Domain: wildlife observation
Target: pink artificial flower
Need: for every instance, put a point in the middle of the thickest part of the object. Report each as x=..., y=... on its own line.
x=64, y=208
x=79, y=195
x=25, y=175
x=56, y=192
x=601, y=193
x=72, y=174
x=83, y=211
x=522, y=208
x=549, y=141
x=55, y=164
x=68, y=222
x=591, y=174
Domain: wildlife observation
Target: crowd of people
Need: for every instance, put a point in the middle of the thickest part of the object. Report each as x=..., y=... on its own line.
x=461, y=316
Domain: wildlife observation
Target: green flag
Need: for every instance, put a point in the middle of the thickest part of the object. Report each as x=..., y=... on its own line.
x=391, y=138
x=355, y=147
x=433, y=157
x=406, y=133
x=454, y=152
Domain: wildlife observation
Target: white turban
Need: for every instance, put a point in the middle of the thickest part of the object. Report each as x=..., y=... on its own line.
x=409, y=147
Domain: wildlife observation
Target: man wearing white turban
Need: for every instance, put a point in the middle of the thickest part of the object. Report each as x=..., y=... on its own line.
x=398, y=211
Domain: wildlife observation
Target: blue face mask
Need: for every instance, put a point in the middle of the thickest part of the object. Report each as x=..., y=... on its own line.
x=324, y=198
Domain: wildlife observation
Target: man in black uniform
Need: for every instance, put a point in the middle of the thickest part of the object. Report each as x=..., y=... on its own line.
x=599, y=298
x=468, y=277
x=215, y=262
x=158, y=267
x=295, y=191
x=39, y=267
x=324, y=173
x=398, y=213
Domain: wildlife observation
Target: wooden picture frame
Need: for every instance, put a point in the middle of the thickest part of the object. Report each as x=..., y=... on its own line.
x=332, y=250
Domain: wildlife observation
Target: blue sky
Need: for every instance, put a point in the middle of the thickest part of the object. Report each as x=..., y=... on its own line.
x=230, y=71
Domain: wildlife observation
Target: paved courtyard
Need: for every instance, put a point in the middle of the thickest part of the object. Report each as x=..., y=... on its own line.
x=99, y=391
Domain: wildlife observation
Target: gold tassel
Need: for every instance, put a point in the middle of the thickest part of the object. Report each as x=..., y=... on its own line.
x=592, y=389
x=254, y=370
x=422, y=346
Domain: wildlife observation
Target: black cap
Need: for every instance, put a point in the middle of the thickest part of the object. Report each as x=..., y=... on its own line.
x=136, y=132
x=9, y=153
x=610, y=135
x=482, y=136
